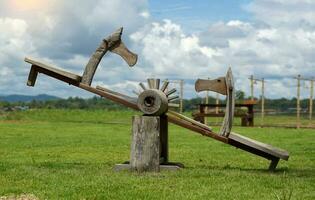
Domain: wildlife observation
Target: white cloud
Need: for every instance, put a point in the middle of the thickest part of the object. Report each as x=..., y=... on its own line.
x=272, y=46
x=63, y=33
x=292, y=13
x=278, y=43
x=145, y=14
x=169, y=53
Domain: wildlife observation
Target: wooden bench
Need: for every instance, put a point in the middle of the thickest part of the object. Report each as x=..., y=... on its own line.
x=247, y=119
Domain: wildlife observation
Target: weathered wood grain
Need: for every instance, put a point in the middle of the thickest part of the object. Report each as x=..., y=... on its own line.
x=145, y=145
x=173, y=105
x=40, y=67
x=172, y=91
x=157, y=84
x=216, y=85
x=230, y=105
x=32, y=76
x=164, y=138
x=151, y=83
x=273, y=151
x=187, y=119
x=164, y=86
x=173, y=98
x=120, y=49
x=128, y=98
x=252, y=146
x=115, y=45
x=153, y=102
x=142, y=86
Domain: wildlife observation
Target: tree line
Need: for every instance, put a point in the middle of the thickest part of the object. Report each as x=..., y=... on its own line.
x=280, y=105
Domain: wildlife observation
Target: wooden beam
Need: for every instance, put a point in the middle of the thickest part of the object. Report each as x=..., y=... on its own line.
x=259, y=146
x=39, y=67
x=128, y=98
x=230, y=105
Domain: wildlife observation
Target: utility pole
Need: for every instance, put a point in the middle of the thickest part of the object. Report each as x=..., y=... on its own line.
x=262, y=101
x=252, y=87
x=298, y=101
x=181, y=95
x=206, y=109
x=311, y=99
x=252, y=82
x=298, y=105
x=217, y=103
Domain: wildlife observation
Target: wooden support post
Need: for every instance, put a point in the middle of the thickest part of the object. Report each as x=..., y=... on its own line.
x=273, y=164
x=145, y=145
x=32, y=76
x=164, y=139
x=244, y=121
x=251, y=115
x=149, y=146
x=202, y=111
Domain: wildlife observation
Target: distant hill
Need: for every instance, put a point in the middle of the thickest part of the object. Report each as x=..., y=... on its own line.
x=26, y=98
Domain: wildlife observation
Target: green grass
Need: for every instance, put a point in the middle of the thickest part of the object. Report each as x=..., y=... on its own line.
x=269, y=120
x=69, y=154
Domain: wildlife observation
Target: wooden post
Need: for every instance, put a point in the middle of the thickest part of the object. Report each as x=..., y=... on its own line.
x=217, y=103
x=298, y=102
x=251, y=113
x=181, y=95
x=206, y=107
x=164, y=139
x=311, y=98
x=32, y=76
x=145, y=146
x=217, y=107
x=262, y=101
x=202, y=111
x=252, y=87
x=273, y=164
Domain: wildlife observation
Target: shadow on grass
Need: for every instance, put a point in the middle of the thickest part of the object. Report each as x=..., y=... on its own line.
x=279, y=171
x=69, y=165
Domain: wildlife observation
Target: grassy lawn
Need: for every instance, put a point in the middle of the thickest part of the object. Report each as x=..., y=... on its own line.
x=57, y=154
x=269, y=120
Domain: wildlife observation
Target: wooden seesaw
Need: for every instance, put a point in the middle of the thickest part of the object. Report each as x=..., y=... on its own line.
x=147, y=102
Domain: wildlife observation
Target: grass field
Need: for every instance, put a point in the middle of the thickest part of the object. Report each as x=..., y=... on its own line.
x=59, y=154
x=271, y=121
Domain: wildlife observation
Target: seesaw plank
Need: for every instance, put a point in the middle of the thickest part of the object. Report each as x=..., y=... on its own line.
x=257, y=147
x=39, y=67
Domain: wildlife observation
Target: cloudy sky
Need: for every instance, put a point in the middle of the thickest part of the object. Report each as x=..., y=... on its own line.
x=178, y=39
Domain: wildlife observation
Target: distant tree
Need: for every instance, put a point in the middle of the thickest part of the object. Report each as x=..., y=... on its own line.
x=240, y=95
